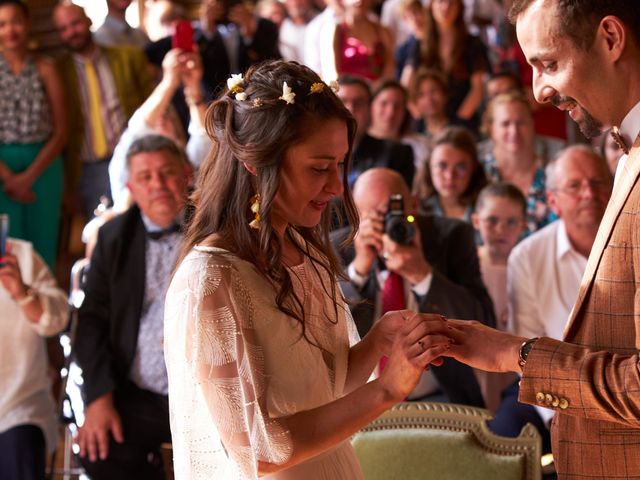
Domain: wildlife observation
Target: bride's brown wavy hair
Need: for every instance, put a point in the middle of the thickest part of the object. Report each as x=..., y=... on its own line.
x=258, y=132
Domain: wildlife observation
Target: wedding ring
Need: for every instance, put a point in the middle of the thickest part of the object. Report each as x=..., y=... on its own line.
x=421, y=343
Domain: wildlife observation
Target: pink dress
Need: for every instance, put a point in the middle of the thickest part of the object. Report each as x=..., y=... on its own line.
x=355, y=58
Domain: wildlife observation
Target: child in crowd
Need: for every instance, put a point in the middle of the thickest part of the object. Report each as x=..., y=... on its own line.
x=500, y=218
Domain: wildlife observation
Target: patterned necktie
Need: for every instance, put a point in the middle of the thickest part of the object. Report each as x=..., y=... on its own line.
x=98, y=135
x=392, y=299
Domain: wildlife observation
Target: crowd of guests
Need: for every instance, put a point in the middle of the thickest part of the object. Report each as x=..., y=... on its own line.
x=504, y=212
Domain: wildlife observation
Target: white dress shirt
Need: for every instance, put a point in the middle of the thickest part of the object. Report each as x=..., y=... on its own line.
x=25, y=388
x=543, y=278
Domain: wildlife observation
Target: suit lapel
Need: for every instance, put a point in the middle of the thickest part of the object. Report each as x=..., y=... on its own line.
x=621, y=191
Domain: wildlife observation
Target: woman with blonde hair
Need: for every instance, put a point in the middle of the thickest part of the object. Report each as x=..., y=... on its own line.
x=508, y=122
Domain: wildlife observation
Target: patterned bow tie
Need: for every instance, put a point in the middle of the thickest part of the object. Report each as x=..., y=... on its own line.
x=615, y=134
x=159, y=234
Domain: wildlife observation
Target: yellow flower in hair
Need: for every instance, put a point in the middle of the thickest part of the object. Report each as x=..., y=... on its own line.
x=316, y=88
x=234, y=83
x=287, y=94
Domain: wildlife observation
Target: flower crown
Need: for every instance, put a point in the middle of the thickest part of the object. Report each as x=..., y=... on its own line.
x=235, y=84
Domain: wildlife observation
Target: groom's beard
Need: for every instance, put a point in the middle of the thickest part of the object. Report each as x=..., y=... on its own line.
x=589, y=126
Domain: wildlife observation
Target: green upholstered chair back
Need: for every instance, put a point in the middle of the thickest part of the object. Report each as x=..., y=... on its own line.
x=444, y=441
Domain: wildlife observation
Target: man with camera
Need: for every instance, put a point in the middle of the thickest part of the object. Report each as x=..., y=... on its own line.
x=424, y=263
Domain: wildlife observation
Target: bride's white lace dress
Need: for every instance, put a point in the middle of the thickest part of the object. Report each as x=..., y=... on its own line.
x=236, y=364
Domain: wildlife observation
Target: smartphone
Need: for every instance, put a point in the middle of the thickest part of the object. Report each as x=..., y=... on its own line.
x=4, y=234
x=183, y=36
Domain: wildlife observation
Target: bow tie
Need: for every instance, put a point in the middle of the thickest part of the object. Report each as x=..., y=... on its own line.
x=159, y=234
x=615, y=134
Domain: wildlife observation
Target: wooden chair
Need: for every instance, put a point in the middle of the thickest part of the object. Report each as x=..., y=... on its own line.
x=443, y=441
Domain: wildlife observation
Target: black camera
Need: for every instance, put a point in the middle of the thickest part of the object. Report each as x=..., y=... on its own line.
x=397, y=224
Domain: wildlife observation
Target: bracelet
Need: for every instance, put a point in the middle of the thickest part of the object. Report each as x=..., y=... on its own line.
x=30, y=296
x=525, y=348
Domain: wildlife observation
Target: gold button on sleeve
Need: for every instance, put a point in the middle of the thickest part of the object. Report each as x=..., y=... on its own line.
x=564, y=403
x=540, y=397
x=548, y=399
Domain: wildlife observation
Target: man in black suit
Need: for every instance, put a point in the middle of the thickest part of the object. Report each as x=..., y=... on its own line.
x=368, y=151
x=120, y=328
x=438, y=271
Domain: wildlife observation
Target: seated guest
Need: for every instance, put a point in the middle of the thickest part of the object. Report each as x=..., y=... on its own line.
x=119, y=339
x=546, y=147
x=545, y=270
x=157, y=116
x=390, y=119
x=499, y=219
x=514, y=159
x=449, y=180
x=428, y=101
x=368, y=151
x=436, y=272
x=32, y=307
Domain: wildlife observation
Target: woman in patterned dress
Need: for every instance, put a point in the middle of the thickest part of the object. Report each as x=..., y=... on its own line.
x=32, y=134
x=267, y=376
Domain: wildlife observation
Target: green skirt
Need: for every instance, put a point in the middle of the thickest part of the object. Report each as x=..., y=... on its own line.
x=37, y=222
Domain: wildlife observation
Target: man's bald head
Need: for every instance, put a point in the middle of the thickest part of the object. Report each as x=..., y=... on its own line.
x=374, y=187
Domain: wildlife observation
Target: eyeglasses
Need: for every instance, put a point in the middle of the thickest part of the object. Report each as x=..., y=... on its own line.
x=574, y=187
x=510, y=223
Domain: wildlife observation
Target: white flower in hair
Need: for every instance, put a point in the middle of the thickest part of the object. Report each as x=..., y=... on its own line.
x=234, y=82
x=335, y=86
x=287, y=95
x=241, y=97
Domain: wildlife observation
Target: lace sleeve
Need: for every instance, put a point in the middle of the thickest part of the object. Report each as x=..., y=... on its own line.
x=228, y=364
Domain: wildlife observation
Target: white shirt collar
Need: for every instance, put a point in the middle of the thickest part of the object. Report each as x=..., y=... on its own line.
x=563, y=244
x=630, y=126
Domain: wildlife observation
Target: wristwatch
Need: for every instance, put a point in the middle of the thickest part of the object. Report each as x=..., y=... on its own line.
x=525, y=348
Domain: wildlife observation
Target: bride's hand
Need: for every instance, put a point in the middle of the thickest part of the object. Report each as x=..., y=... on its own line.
x=420, y=340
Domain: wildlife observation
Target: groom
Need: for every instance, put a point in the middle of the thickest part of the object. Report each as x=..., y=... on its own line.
x=592, y=378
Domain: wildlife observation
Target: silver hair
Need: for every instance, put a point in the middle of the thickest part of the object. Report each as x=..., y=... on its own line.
x=551, y=180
